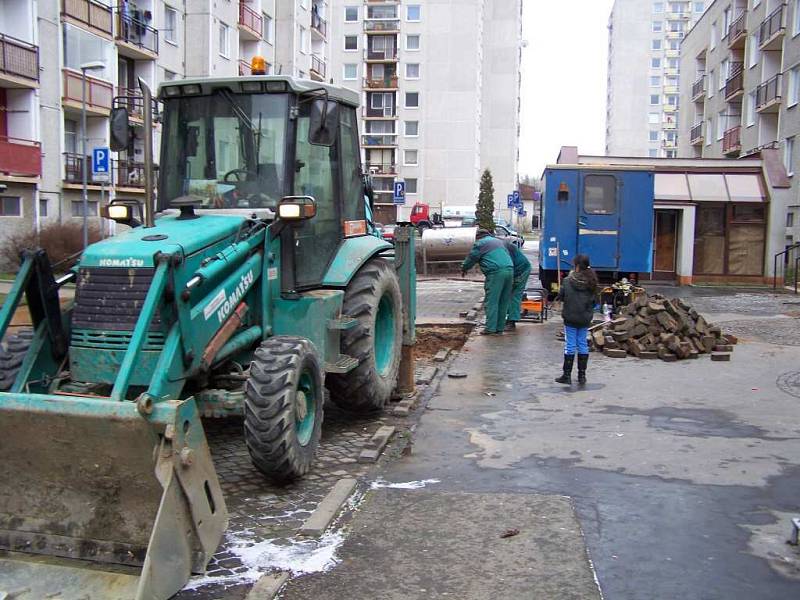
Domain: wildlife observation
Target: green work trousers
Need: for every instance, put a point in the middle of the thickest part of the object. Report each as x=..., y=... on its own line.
x=497, y=290
x=517, y=289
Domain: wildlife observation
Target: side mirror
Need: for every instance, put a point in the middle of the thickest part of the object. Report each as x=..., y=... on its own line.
x=369, y=190
x=120, y=129
x=124, y=211
x=297, y=208
x=324, y=121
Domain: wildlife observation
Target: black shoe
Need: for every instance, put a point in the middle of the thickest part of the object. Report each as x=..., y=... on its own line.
x=485, y=331
x=583, y=361
x=566, y=378
x=511, y=325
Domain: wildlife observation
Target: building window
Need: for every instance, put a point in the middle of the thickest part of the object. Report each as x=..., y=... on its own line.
x=77, y=208
x=652, y=118
x=350, y=43
x=305, y=46
x=658, y=7
x=721, y=125
x=655, y=99
x=224, y=37
x=699, y=7
x=170, y=25
x=655, y=80
x=796, y=28
x=81, y=47
x=350, y=72
x=410, y=158
x=413, y=12
x=790, y=219
x=412, y=71
x=656, y=45
x=709, y=129
x=674, y=45
x=673, y=63
x=412, y=100
x=269, y=29
x=657, y=26
x=723, y=73
x=753, y=54
x=713, y=43
x=788, y=156
x=412, y=42
x=412, y=128
x=672, y=100
x=726, y=21
x=655, y=63
x=411, y=186
x=653, y=136
x=711, y=83
x=350, y=14
x=794, y=86
x=42, y=207
x=751, y=109
x=10, y=206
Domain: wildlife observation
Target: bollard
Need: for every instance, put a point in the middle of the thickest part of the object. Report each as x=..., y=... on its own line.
x=405, y=266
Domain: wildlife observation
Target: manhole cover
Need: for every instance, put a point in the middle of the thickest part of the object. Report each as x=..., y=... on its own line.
x=790, y=383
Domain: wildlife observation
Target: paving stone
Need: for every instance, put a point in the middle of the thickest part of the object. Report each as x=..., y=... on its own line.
x=720, y=356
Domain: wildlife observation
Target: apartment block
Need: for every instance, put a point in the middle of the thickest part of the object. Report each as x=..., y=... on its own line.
x=46, y=47
x=439, y=82
x=644, y=74
x=742, y=95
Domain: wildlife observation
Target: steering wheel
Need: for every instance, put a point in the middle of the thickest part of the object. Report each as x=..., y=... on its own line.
x=238, y=173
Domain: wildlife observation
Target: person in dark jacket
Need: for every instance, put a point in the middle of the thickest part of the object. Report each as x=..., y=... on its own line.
x=578, y=295
x=498, y=269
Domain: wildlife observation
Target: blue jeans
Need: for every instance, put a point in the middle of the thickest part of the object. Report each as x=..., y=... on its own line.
x=575, y=337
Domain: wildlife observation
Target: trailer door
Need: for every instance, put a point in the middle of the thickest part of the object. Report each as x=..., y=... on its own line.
x=598, y=221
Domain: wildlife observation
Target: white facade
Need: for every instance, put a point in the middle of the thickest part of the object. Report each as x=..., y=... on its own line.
x=642, y=104
x=439, y=82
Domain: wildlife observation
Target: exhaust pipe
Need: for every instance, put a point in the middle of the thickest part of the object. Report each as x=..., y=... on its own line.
x=149, y=202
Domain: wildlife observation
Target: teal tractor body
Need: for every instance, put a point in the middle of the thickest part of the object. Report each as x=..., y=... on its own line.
x=258, y=292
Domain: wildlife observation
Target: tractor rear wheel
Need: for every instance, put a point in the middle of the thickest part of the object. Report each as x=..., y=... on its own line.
x=11, y=357
x=284, y=395
x=373, y=298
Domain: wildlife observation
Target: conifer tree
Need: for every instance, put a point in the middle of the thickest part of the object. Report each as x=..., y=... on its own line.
x=484, y=212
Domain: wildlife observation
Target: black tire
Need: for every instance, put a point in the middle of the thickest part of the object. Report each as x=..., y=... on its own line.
x=281, y=368
x=11, y=357
x=368, y=387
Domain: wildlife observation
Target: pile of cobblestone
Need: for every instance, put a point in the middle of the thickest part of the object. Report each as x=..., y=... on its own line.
x=656, y=327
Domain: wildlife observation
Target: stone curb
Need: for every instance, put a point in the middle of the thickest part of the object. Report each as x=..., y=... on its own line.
x=376, y=444
x=268, y=586
x=326, y=511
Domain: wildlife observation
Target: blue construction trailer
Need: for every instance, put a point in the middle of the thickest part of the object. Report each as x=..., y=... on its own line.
x=603, y=211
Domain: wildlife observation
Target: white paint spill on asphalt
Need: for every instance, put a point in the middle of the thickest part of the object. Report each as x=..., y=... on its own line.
x=298, y=557
x=408, y=485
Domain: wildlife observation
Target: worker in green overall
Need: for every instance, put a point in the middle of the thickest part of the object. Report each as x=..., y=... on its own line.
x=522, y=270
x=498, y=269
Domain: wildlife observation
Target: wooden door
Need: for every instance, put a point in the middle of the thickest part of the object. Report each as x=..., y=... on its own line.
x=666, y=225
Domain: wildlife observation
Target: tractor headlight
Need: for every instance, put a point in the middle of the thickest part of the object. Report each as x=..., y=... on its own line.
x=119, y=212
x=297, y=208
x=289, y=211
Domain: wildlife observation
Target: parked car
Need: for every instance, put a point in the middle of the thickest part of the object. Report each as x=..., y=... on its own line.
x=504, y=233
x=388, y=232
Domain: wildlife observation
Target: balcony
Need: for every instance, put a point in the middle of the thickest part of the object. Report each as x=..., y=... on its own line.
x=377, y=140
x=671, y=72
x=675, y=35
x=388, y=55
x=669, y=125
x=21, y=158
x=91, y=15
x=382, y=26
x=382, y=169
x=135, y=38
x=19, y=63
x=699, y=89
x=250, y=23
x=127, y=174
x=731, y=141
x=768, y=95
x=381, y=83
x=99, y=94
x=737, y=32
x=677, y=16
x=132, y=99
x=245, y=68
x=672, y=53
x=317, y=68
x=734, y=85
x=696, y=135
x=73, y=165
x=671, y=89
x=771, y=30
x=319, y=25
x=670, y=108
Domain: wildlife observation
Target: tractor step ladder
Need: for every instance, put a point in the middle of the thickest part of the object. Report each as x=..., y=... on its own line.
x=344, y=364
x=342, y=323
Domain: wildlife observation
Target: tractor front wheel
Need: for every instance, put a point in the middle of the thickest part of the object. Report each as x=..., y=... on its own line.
x=284, y=395
x=16, y=347
x=373, y=298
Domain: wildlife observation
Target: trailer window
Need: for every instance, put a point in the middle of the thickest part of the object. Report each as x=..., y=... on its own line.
x=600, y=194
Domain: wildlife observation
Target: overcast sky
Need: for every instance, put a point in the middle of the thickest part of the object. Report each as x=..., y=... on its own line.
x=563, y=80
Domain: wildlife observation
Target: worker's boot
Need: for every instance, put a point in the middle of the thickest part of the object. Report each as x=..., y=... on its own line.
x=566, y=377
x=511, y=325
x=583, y=360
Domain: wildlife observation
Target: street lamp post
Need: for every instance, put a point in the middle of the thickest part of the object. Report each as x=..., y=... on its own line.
x=89, y=66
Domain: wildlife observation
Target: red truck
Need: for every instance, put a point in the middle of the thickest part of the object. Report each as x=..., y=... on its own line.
x=422, y=218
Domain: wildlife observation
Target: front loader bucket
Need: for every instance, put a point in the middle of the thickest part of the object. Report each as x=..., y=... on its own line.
x=88, y=479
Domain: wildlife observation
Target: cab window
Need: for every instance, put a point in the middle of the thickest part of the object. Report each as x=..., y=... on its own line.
x=600, y=194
